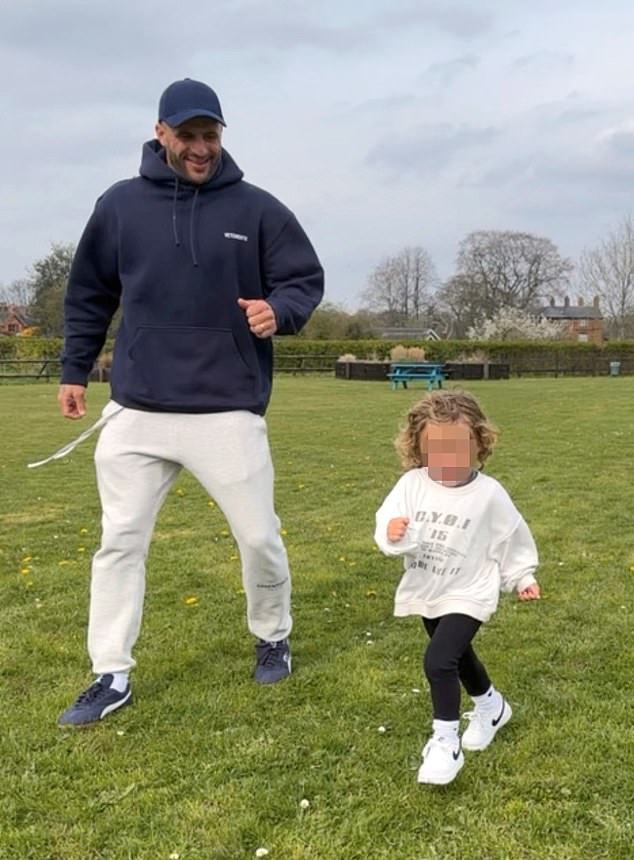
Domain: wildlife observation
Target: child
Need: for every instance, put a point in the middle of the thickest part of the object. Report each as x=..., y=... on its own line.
x=462, y=540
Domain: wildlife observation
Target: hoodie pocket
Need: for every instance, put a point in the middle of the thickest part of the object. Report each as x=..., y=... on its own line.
x=192, y=366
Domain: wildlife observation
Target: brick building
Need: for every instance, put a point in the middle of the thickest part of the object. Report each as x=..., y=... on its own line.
x=13, y=319
x=585, y=322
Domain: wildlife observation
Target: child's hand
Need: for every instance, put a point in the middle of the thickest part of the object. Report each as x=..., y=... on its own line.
x=396, y=528
x=530, y=593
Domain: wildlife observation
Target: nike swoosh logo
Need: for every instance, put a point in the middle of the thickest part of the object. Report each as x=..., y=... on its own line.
x=495, y=722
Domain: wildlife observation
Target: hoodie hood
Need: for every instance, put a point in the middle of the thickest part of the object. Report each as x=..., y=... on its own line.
x=155, y=168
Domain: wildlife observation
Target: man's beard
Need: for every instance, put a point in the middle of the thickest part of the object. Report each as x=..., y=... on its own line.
x=179, y=166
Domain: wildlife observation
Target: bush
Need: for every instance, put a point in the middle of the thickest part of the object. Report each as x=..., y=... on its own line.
x=522, y=356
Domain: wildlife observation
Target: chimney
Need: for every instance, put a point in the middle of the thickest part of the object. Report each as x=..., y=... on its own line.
x=580, y=301
x=595, y=302
x=566, y=302
x=552, y=301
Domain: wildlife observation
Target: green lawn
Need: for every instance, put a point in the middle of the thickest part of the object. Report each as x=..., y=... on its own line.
x=207, y=764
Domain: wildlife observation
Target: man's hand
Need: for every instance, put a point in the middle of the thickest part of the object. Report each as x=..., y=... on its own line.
x=396, y=528
x=72, y=400
x=260, y=316
x=530, y=593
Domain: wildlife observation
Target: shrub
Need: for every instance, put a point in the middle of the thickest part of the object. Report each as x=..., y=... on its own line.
x=416, y=353
x=399, y=353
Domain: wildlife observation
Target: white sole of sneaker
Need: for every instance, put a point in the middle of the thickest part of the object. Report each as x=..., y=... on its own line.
x=116, y=705
x=445, y=779
x=95, y=722
x=507, y=713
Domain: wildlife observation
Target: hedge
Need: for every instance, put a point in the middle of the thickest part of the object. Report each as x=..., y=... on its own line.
x=522, y=356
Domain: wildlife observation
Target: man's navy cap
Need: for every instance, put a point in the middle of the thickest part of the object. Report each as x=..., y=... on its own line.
x=186, y=99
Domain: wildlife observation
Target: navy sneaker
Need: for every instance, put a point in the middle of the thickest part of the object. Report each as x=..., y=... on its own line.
x=95, y=703
x=273, y=661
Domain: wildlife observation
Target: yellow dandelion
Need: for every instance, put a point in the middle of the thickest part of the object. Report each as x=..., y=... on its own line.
x=180, y=492
x=25, y=570
x=632, y=568
x=224, y=533
x=63, y=562
x=83, y=531
x=301, y=486
x=234, y=557
x=283, y=531
x=192, y=600
x=370, y=593
x=211, y=503
x=26, y=559
x=81, y=549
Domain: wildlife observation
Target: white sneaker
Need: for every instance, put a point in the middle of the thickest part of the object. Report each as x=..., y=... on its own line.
x=484, y=724
x=442, y=761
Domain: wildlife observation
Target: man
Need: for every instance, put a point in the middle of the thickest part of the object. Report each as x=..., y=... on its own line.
x=206, y=269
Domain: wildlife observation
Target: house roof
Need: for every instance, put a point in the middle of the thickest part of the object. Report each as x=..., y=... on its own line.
x=19, y=313
x=571, y=312
x=394, y=332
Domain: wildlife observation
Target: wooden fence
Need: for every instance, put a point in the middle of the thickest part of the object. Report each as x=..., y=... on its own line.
x=30, y=368
x=47, y=369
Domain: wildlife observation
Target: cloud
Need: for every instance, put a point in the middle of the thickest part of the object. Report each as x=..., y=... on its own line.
x=456, y=19
x=384, y=108
x=71, y=31
x=436, y=116
x=446, y=72
x=544, y=60
x=428, y=149
x=618, y=140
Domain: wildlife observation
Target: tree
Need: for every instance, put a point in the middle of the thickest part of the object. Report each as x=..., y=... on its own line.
x=516, y=324
x=362, y=326
x=460, y=305
x=504, y=268
x=328, y=322
x=607, y=271
x=48, y=280
x=18, y=293
x=332, y=322
x=401, y=286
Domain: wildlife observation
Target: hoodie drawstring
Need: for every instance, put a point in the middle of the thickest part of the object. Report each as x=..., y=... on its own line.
x=177, y=241
x=110, y=409
x=192, y=244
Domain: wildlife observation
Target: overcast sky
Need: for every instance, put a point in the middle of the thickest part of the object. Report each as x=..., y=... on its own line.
x=381, y=123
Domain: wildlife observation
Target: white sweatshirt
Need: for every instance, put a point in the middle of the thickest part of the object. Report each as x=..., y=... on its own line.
x=462, y=545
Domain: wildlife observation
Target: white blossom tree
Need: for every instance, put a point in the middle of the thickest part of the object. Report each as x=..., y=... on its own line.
x=510, y=323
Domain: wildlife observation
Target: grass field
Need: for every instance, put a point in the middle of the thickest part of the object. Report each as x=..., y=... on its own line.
x=207, y=764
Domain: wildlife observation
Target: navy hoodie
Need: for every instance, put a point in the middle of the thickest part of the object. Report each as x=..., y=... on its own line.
x=176, y=257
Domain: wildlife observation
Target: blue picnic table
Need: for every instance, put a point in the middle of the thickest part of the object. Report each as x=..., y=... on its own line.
x=407, y=371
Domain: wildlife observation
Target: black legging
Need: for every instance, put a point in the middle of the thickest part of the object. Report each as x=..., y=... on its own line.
x=450, y=659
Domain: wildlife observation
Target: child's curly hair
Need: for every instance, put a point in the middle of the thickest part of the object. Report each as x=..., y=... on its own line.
x=444, y=407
